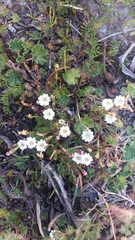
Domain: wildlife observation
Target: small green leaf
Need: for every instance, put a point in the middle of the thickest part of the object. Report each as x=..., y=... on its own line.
x=134, y=125
x=1, y=46
x=79, y=92
x=13, y=78
x=111, y=140
x=20, y=59
x=78, y=128
x=88, y=122
x=80, y=125
x=3, y=61
x=87, y=90
x=62, y=95
x=129, y=130
x=129, y=153
x=71, y=76
x=123, y=91
x=98, y=91
x=131, y=90
x=35, y=35
x=39, y=54
x=118, y=123
x=16, y=45
x=15, y=18
x=3, y=11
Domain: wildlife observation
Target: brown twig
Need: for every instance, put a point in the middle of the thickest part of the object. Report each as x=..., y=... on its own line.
x=54, y=220
x=10, y=64
x=107, y=205
x=10, y=173
x=63, y=197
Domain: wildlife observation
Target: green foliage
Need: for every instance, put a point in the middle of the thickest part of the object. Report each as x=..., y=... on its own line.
x=39, y=54
x=35, y=35
x=3, y=61
x=3, y=28
x=13, y=79
x=62, y=95
x=129, y=130
x=114, y=48
x=7, y=96
x=81, y=124
x=9, y=234
x=16, y=45
x=130, y=89
x=128, y=228
x=71, y=76
x=15, y=18
x=3, y=11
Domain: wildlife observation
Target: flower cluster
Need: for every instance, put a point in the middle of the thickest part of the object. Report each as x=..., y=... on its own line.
x=81, y=158
x=108, y=103
x=31, y=143
x=44, y=100
x=49, y=114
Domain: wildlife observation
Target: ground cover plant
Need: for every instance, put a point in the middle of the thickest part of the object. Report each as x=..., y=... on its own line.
x=67, y=121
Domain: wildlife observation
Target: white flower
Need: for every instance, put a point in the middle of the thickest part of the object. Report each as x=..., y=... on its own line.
x=61, y=122
x=110, y=117
x=41, y=145
x=48, y=114
x=64, y=131
x=107, y=103
x=77, y=157
x=119, y=101
x=22, y=144
x=51, y=235
x=86, y=159
x=44, y=99
x=31, y=142
x=87, y=135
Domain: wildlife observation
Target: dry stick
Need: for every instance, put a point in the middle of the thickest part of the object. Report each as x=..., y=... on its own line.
x=73, y=201
x=102, y=39
x=9, y=172
x=38, y=218
x=114, y=34
x=54, y=220
x=55, y=189
x=66, y=203
x=119, y=195
x=71, y=6
x=107, y=205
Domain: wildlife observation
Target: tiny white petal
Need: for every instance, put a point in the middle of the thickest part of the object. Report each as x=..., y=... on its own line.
x=77, y=158
x=119, y=101
x=51, y=234
x=64, y=131
x=48, y=114
x=44, y=99
x=107, y=103
x=22, y=144
x=41, y=145
x=86, y=159
x=31, y=142
x=110, y=117
x=87, y=135
x=61, y=122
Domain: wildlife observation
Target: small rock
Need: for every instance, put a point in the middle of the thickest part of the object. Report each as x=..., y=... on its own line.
x=11, y=28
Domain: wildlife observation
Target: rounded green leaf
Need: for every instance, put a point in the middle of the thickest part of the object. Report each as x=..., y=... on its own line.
x=71, y=76
x=39, y=54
